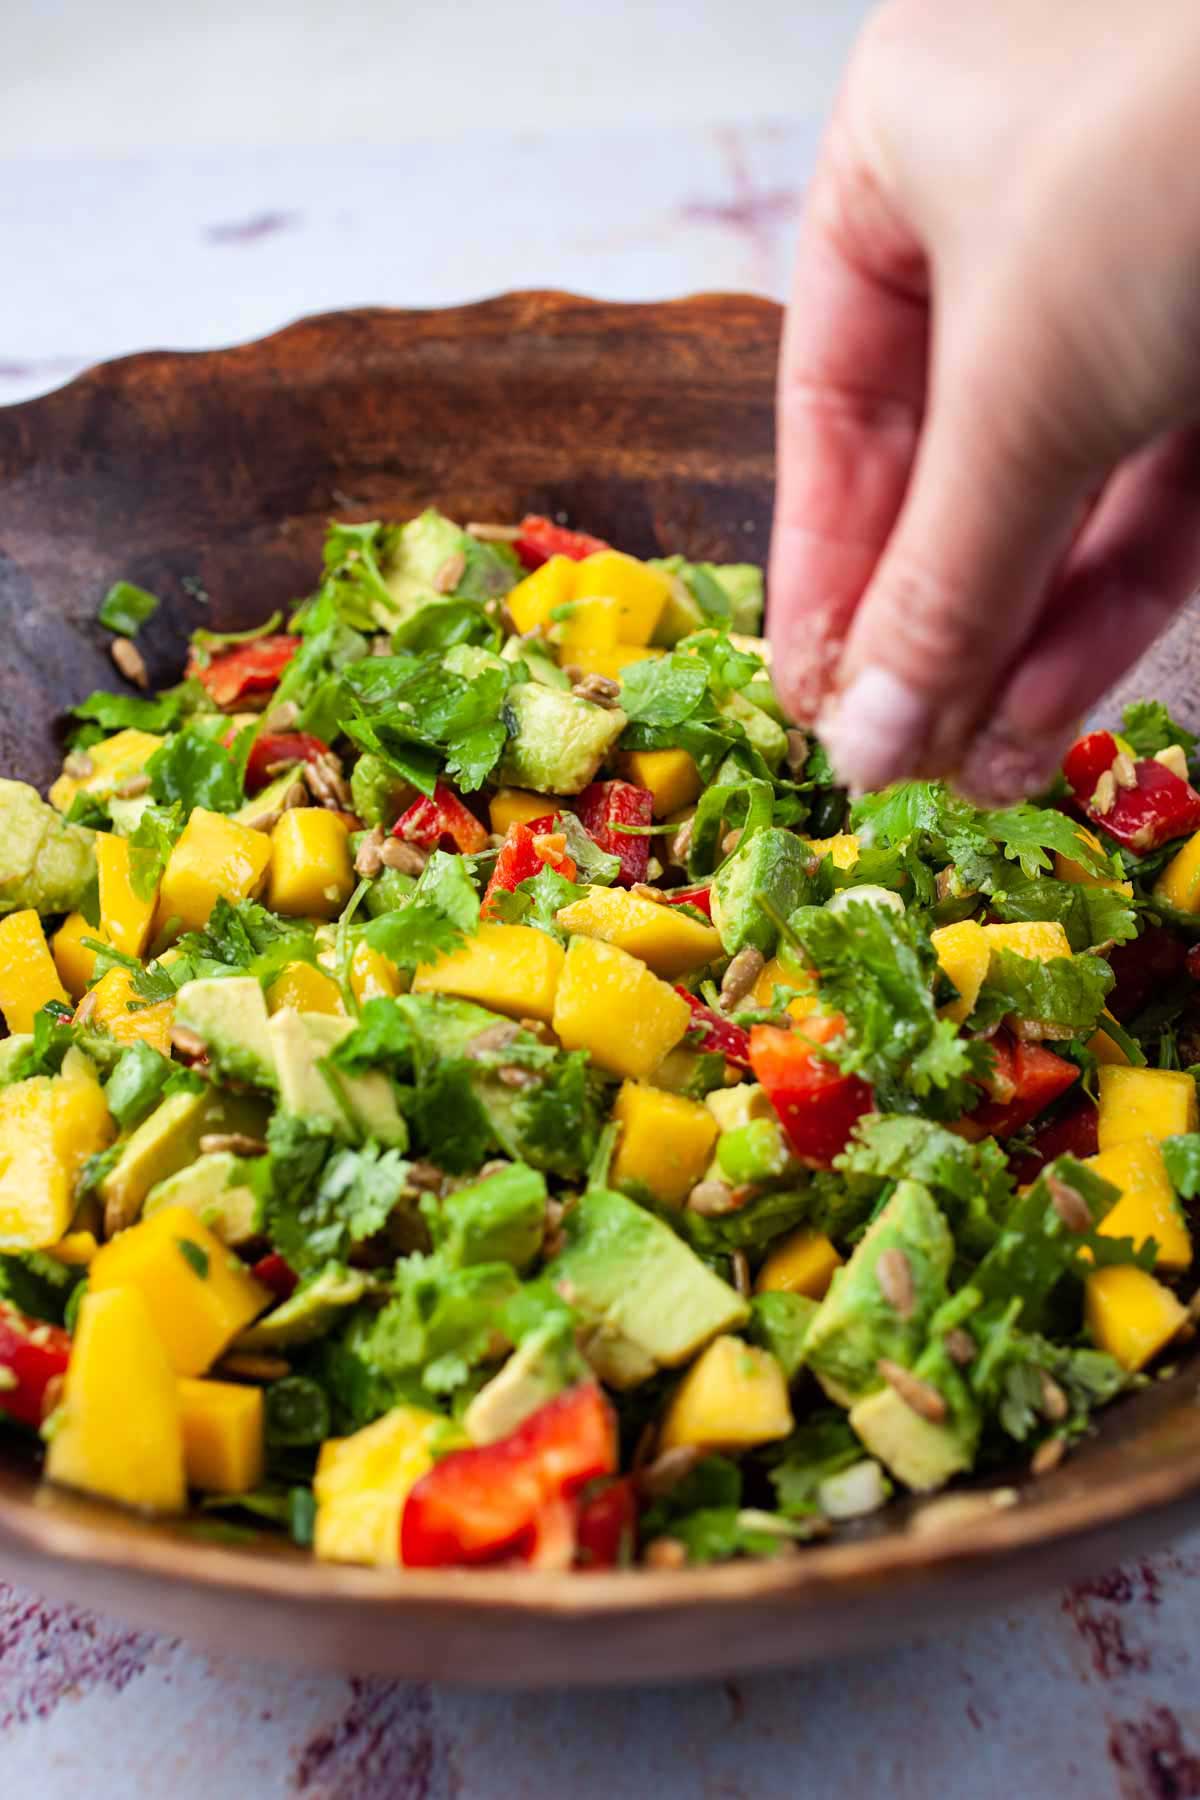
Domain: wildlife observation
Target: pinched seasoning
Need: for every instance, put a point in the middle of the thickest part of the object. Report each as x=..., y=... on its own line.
x=920, y=1395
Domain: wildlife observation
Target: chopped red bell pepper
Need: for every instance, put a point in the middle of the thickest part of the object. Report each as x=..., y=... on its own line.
x=441, y=815
x=1142, y=967
x=1075, y=1132
x=486, y=1503
x=252, y=668
x=276, y=1273
x=525, y=852
x=541, y=539
x=1087, y=760
x=1026, y=1079
x=280, y=747
x=699, y=897
x=712, y=1032
x=33, y=1355
x=1145, y=817
x=817, y=1104
x=606, y=1531
x=603, y=808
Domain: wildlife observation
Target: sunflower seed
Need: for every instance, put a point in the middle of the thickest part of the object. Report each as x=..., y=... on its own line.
x=494, y=534
x=731, y=840
x=1069, y=1204
x=641, y=890
x=1123, y=772
x=1174, y=758
x=711, y=1199
x=130, y=662
x=741, y=976
x=450, y=573
x=188, y=1043
x=282, y=717
x=409, y=859
x=740, y=1269
x=681, y=842
x=130, y=789
x=894, y=1275
x=599, y=689
x=960, y=1346
x=668, y=1469
x=665, y=1553
x=1055, y=1405
x=1048, y=1455
x=78, y=766
x=514, y=1077
x=246, y=1365
x=1105, y=796
x=797, y=751
x=921, y=1396
x=493, y=1037
x=237, y=1143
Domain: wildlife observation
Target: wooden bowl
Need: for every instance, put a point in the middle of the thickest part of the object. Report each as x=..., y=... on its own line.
x=209, y=479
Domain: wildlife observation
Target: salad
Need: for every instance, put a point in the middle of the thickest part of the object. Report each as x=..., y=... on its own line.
x=477, y=1092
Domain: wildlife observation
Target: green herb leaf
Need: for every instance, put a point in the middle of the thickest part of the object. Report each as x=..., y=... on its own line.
x=1148, y=728
x=136, y=1084
x=1068, y=991
x=195, y=1256
x=192, y=769
x=125, y=608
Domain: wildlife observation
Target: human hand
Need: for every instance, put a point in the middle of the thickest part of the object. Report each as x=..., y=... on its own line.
x=989, y=391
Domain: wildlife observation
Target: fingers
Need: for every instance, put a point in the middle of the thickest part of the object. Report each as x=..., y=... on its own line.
x=1132, y=567
x=851, y=392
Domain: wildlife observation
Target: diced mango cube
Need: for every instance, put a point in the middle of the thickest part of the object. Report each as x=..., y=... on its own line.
x=732, y=1398
x=773, y=975
x=640, y=591
x=1067, y=869
x=222, y=1435
x=363, y=1481
x=532, y=601
x=125, y=918
x=49, y=1126
x=612, y=663
x=670, y=775
x=28, y=977
x=514, y=969
x=76, y=966
x=804, y=1263
x=1179, y=883
x=665, y=1143
x=964, y=954
x=594, y=624
x=306, y=989
x=117, y=1431
x=1138, y=1103
x=665, y=939
x=311, y=872
x=114, y=761
x=516, y=806
x=120, y=1011
x=1147, y=1207
x=214, y=858
x=373, y=976
x=1040, y=940
x=843, y=847
x=198, y=1292
x=1130, y=1314
x=610, y=1004
x=75, y=1250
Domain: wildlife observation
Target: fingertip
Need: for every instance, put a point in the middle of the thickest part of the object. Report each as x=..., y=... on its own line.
x=1002, y=768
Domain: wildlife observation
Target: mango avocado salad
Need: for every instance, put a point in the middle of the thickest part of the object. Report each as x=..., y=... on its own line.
x=477, y=1092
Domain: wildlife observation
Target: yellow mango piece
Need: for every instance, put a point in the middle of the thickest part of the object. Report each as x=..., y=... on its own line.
x=532, y=601
x=1139, y=1103
x=362, y=1482
x=76, y=966
x=1041, y=940
x=773, y=975
x=733, y=1397
x=665, y=939
x=1130, y=1314
x=514, y=969
x=373, y=976
x=117, y=1431
x=1067, y=869
x=804, y=1263
x=1179, y=883
x=609, y=1004
x=665, y=1143
x=640, y=592
x=28, y=977
x=843, y=847
x=125, y=918
x=124, y=1015
x=49, y=1126
x=612, y=663
x=311, y=872
x=306, y=989
x=1104, y=1048
x=114, y=761
x=75, y=1250
x=199, y=1295
x=516, y=806
x=964, y=953
x=222, y=1435
x=215, y=858
x=594, y=624
x=1147, y=1207
x=671, y=776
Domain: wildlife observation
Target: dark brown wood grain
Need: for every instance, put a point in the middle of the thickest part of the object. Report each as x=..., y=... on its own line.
x=650, y=425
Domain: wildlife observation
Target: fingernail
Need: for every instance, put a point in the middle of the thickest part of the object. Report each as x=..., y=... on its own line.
x=1000, y=768
x=876, y=729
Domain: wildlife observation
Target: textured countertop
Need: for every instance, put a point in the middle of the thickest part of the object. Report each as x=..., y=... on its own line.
x=1089, y=1693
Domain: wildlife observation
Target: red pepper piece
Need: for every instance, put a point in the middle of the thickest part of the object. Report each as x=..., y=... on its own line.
x=541, y=539
x=1026, y=1080
x=1086, y=761
x=817, y=1104
x=280, y=747
x=1142, y=967
x=523, y=854
x=606, y=1532
x=1143, y=818
x=603, y=807
x=442, y=815
x=276, y=1273
x=715, y=1033
x=482, y=1504
x=33, y=1355
x=699, y=897
x=1073, y=1133
x=252, y=668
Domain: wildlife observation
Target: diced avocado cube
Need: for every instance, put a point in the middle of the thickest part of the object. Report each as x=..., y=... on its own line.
x=923, y=1453
x=858, y=1323
x=649, y=1299
x=772, y=863
x=762, y=693
x=768, y=738
x=470, y=661
x=11, y=1051
x=126, y=814
x=45, y=863
x=214, y=1188
x=309, y=1312
x=544, y=1365
x=557, y=741
x=379, y=794
x=355, y=1105
x=169, y=1139
x=743, y=583
x=542, y=668
x=500, y=1218
x=230, y=1015
x=779, y=1322
x=267, y=800
x=417, y=553
x=682, y=613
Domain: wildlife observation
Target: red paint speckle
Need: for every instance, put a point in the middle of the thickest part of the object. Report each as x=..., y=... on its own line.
x=1095, y=1607
x=252, y=230
x=380, y=1748
x=1152, y=1759
x=49, y=1654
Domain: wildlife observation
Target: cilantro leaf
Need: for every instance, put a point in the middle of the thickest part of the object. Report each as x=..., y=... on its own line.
x=150, y=844
x=1182, y=1157
x=440, y=1323
x=473, y=754
x=970, y=1182
x=192, y=769
x=126, y=608
x=1088, y=915
x=446, y=884
x=824, y=1445
x=1068, y=991
x=537, y=901
x=53, y=1035
x=977, y=842
x=664, y=690
x=320, y=1197
x=116, y=712
x=417, y=933
x=136, y=1084
x=1148, y=728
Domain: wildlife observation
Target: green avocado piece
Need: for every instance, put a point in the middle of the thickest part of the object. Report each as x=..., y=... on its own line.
x=734, y=1107
x=212, y=1188
x=379, y=794
x=170, y=1139
x=922, y=1453
x=44, y=862
x=743, y=584
x=542, y=668
x=856, y=1324
x=545, y=1364
x=126, y=815
x=230, y=1015
x=557, y=741
x=779, y=1323
x=753, y=1152
x=762, y=693
x=309, y=1312
x=768, y=738
x=417, y=553
x=693, y=1073
x=470, y=661
x=11, y=1050
x=682, y=613
x=360, y=1106
x=773, y=863
x=649, y=1300
x=267, y=800
x=501, y=1218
